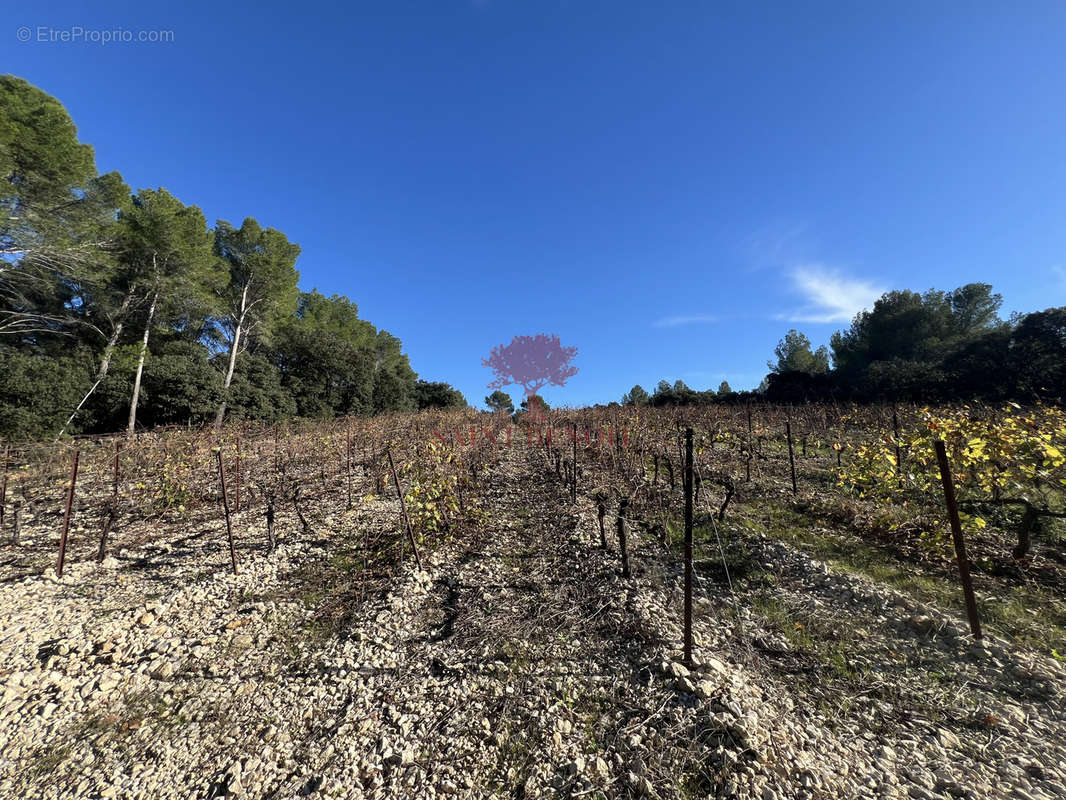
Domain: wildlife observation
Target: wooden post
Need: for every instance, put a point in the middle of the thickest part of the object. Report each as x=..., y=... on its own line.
x=601, y=512
x=225, y=508
x=66, y=515
x=622, y=506
x=791, y=456
x=403, y=507
x=956, y=533
x=688, y=547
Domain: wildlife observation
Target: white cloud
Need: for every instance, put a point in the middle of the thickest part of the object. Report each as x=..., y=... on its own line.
x=777, y=244
x=831, y=296
x=692, y=319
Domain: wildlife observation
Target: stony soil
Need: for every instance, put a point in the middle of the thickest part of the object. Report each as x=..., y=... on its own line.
x=516, y=663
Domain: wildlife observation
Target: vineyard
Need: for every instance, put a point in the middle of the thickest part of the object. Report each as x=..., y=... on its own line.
x=737, y=601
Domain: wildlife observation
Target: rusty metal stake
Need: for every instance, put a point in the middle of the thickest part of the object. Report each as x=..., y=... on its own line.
x=622, y=506
x=791, y=456
x=751, y=447
x=66, y=515
x=225, y=508
x=956, y=533
x=573, y=485
x=3, y=487
x=403, y=506
x=348, y=459
x=895, y=439
x=237, y=470
x=688, y=547
x=112, y=511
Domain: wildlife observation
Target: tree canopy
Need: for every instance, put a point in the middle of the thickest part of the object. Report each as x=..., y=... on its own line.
x=122, y=308
x=636, y=396
x=794, y=355
x=500, y=401
x=436, y=394
x=924, y=346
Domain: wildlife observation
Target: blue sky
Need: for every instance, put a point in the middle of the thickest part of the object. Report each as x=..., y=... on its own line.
x=667, y=186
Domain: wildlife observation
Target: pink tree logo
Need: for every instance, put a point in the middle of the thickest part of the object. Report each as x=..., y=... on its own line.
x=531, y=362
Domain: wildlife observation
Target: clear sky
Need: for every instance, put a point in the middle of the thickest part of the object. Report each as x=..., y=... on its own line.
x=669, y=186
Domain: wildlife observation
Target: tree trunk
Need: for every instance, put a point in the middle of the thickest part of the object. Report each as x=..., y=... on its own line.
x=105, y=363
x=140, y=367
x=1025, y=533
x=232, y=359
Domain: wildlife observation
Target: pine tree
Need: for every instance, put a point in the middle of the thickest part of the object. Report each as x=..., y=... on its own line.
x=167, y=258
x=262, y=287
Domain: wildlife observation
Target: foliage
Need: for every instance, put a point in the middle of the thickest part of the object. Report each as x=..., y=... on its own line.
x=324, y=354
x=1038, y=348
x=942, y=346
x=679, y=394
x=435, y=394
x=180, y=385
x=394, y=380
x=794, y=355
x=912, y=333
x=41, y=161
x=433, y=480
x=257, y=393
x=262, y=285
x=102, y=291
x=534, y=402
x=37, y=392
x=500, y=401
x=1013, y=457
x=54, y=209
x=165, y=250
x=262, y=288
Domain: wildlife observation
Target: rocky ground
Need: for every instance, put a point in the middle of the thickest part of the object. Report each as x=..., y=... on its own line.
x=515, y=663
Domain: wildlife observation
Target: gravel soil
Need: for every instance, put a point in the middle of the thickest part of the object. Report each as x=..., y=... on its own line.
x=516, y=662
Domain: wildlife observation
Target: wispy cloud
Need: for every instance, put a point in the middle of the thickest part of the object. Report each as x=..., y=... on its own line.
x=1060, y=275
x=691, y=319
x=831, y=296
x=777, y=244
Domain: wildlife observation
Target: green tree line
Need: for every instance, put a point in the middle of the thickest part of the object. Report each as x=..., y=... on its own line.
x=929, y=346
x=122, y=309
